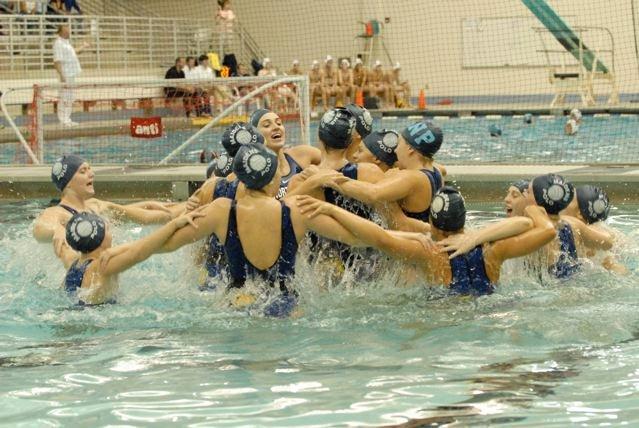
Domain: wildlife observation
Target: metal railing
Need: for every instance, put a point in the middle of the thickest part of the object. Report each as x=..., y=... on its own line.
x=116, y=41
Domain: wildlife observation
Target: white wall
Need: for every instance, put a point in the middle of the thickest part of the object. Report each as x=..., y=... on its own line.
x=424, y=35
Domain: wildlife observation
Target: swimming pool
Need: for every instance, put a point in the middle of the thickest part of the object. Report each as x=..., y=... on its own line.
x=366, y=355
x=601, y=139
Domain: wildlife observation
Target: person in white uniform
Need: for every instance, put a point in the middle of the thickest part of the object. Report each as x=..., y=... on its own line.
x=572, y=125
x=65, y=61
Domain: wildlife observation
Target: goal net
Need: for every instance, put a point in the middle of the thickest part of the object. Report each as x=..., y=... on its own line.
x=168, y=121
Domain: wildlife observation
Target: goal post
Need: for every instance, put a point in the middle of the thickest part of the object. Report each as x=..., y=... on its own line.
x=159, y=121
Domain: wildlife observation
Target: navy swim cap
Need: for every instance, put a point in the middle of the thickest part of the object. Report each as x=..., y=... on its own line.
x=221, y=166
x=363, y=119
x=238, y=134
x=552, y=192
x=448, y=210
x=64, y=169
x=255, y=165
x=521, y=185
x=528, y=118
x=593, y=203
x=85, y=232
x=424, y=137
x=257, y=115
x=494, y=130
x=336, y=128
x=383, y=144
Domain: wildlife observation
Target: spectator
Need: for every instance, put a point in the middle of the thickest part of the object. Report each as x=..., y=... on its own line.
x=191, y=63
x=201, y=97
x=378, y=84
x=345, y=79
x=267, y=68
x=330, y=83
x=316, y=78
x=30, y=7
x=225, y=18
x=177, y=72
x=71, y=5
x=65, y=61
x=360, y=75
x=399, y=89
x=295, y=69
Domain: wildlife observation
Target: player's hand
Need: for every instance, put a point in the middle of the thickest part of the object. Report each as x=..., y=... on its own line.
x=313, y=207
x=187, y=218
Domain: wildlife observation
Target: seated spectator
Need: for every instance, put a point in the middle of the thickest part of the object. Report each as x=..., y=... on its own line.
x=345, y=79
x=177, y=72
x=399, y=89
x=30, y=7
x=191, y=63
x=295, y=69
x=378, y=84
x=330, y=83
x=201, y=98
x=360, y=76
x=315, y=78
x=267, y=68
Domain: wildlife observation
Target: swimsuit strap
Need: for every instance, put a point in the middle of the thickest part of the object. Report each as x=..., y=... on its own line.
x=69, y=209
x=436, y=182
x=75, y=275
x=469, y=274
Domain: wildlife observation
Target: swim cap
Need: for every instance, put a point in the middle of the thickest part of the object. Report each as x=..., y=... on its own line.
x=221, y=166
x=424, y=137
x=397, y=66
x=378, y=63
x=528, y=118
x=593, y=203
x=257, y=115
x=552, y=192
x=328, y=59
x=383, y=144
x=345, y=62
x=336, y=128
x=255, y=165
x=494, y=130
x=64, y=169
x=448, y=210
x=85, y=232
x=575, y=114
x=521, y=185
x=363, y=119
x=238, y=134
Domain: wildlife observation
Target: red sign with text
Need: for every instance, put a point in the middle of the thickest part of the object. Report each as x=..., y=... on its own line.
x=146, y=127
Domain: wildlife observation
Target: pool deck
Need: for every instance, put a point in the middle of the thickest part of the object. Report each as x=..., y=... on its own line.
x=477, y=182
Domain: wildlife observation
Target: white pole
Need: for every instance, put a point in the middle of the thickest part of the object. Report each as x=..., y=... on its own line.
x=33, y=157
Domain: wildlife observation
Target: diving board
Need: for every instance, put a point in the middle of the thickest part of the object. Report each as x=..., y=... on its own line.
x=591, y=66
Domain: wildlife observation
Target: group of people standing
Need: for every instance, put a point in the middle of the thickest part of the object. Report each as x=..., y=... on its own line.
x=362, y=198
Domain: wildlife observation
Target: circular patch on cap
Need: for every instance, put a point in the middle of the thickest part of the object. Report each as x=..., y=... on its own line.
x=437, y=205
x=222, y=161
x=556, y=192
x=390, y=140
x=243, y=136
x=257, y=162
x=57, y=168
x=599, y=206
x=84, y=228
x=329, y=116
x=368, y=118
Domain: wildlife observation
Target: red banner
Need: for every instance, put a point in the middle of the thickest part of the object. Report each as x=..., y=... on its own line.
x=146, y=127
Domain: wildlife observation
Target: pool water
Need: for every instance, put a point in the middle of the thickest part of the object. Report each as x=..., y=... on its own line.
x=601, y=139
x=368, y=354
